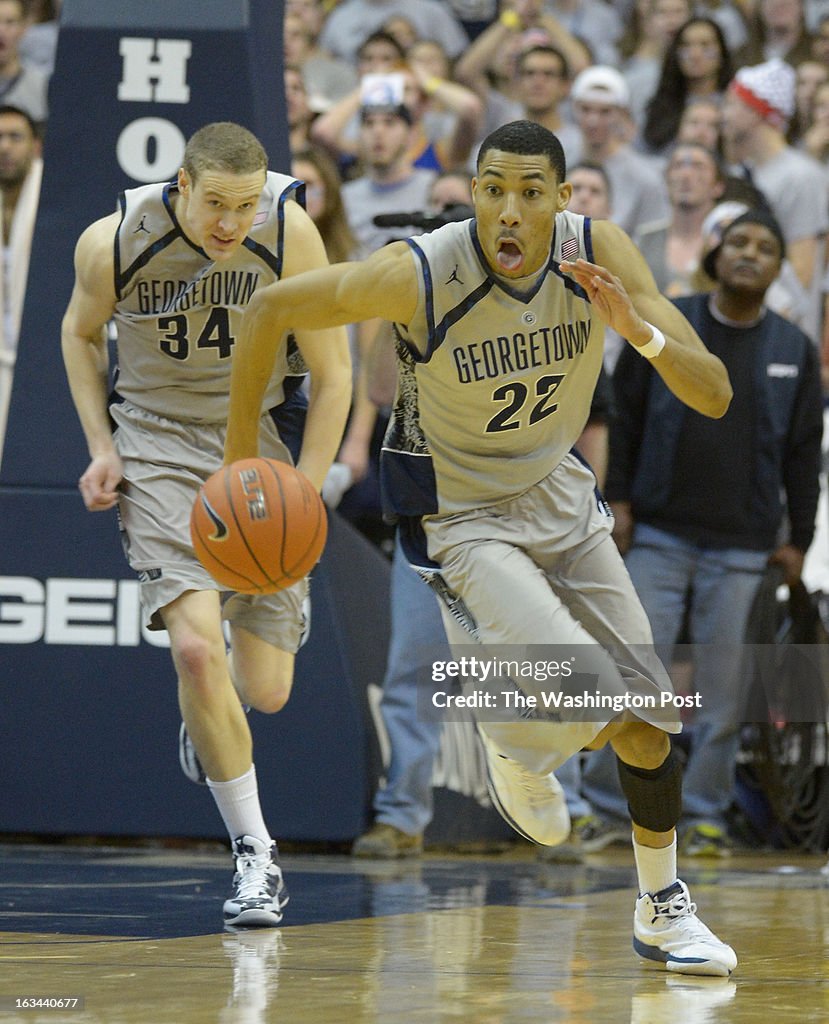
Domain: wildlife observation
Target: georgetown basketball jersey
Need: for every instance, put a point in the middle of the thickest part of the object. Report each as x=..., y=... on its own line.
x=178, y=312
x=494, y=382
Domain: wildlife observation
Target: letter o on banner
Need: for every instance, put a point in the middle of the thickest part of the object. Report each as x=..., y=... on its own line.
x=150, y=149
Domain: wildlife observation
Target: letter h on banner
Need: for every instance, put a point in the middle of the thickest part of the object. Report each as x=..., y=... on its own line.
x=154, y=70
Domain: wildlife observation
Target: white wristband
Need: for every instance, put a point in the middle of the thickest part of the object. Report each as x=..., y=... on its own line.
x=652, y=349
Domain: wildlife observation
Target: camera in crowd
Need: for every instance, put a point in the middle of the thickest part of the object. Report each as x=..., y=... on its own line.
x=424, y=221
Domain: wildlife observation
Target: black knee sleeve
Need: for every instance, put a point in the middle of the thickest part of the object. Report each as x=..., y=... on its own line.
x=654, y=795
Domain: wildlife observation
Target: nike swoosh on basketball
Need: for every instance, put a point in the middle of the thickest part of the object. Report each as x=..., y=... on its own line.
x=218, y=522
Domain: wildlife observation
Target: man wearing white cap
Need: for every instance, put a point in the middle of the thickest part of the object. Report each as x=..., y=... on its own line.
x=601, y=100
x=390, y=182
x=758, y=105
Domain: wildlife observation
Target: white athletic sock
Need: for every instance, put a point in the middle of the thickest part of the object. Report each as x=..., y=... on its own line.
x=238, y=803
x=656, y=869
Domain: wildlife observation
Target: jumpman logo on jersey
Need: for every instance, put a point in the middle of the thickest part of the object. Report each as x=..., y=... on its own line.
x=454, y=276
x=142, y=226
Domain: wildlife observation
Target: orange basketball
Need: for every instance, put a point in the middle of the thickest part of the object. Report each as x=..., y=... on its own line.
x=258, y=525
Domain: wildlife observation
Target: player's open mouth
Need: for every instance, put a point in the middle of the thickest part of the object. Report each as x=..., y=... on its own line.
x=509, y=256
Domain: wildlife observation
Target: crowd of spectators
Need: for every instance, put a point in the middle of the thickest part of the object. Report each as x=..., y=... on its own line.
x=691, y=111
x=622, y=84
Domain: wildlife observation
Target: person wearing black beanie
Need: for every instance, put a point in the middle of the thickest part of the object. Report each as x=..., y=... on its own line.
x=698, y=506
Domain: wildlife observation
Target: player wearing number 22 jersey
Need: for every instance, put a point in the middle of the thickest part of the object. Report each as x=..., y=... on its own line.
x=498, y=360
x=502, y=388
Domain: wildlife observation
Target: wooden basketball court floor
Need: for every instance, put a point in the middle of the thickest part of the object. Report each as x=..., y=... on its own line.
x=135, y=934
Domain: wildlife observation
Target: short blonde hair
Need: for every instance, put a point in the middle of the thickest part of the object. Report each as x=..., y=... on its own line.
x=224, y=146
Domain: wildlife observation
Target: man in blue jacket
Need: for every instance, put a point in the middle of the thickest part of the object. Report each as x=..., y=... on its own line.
x=699, y=506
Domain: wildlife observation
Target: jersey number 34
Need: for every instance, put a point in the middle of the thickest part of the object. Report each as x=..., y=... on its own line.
x=216, y=334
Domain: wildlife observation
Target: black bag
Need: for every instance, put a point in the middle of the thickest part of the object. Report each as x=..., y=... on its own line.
x=783, y=778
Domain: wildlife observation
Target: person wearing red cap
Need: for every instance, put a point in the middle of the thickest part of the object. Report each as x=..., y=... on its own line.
x=758, y=105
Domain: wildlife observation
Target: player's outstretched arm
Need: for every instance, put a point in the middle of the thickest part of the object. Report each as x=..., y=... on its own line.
x=623, y=292
x=385, y=285
x=84, y=346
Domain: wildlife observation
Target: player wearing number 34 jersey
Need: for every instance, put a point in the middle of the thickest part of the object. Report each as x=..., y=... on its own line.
x=189, y=306
x=499, y=334
x=174, y=269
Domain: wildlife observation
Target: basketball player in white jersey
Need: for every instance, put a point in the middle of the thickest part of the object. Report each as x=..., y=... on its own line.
x=174, y=268
x=500, y=322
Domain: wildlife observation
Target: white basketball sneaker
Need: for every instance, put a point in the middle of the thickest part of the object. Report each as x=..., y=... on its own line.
x=667, y=931
x=533, y=804
x=260, y=892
